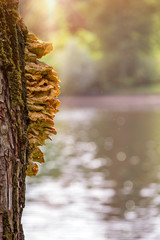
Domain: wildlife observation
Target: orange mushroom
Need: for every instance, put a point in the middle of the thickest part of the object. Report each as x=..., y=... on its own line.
x=42, y=91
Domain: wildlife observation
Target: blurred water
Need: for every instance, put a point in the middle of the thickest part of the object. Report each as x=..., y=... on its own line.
x=101, y=179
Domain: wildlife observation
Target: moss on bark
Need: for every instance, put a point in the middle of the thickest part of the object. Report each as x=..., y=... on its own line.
x=14, y=109
x=7, y=230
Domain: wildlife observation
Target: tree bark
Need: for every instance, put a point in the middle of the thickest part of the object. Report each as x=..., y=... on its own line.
x=13, y=121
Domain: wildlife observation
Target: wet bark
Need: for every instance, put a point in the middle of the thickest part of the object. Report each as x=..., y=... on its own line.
x=13, y=122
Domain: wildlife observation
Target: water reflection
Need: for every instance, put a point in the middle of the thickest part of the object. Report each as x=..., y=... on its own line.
x=101, y=178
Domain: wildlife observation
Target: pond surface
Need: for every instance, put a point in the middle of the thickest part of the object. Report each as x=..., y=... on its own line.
x=101, y=179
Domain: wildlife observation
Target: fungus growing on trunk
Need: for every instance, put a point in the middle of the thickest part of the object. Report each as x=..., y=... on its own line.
x=42, y=91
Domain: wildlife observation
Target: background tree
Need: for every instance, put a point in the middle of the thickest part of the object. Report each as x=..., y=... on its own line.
x=112, y=44
x=125, y=29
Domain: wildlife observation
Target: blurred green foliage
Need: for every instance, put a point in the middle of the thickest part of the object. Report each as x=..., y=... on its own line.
x=101, y=45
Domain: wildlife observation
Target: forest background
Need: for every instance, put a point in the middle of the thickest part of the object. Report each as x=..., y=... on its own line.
x=100, y=46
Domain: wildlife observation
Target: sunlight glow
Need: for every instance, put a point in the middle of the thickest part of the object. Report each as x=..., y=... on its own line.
x=51, y=5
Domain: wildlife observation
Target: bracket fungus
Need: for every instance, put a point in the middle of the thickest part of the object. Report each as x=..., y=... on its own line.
x=42, y=91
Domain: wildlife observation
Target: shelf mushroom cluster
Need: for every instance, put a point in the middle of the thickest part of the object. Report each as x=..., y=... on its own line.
x=42, y=91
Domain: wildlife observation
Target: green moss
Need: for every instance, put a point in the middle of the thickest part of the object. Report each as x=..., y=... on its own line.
x=14, y=80
x=3, y=39
x=7, y=230
x=11, y=116
x=9, y=54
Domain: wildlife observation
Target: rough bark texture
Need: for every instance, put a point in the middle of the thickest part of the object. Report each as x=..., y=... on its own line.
x=13, y=123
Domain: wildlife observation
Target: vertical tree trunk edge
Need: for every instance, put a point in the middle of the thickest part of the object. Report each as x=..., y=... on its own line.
x=13, y=121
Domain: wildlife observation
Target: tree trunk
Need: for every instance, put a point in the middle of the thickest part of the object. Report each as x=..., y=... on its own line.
x=13, y=121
